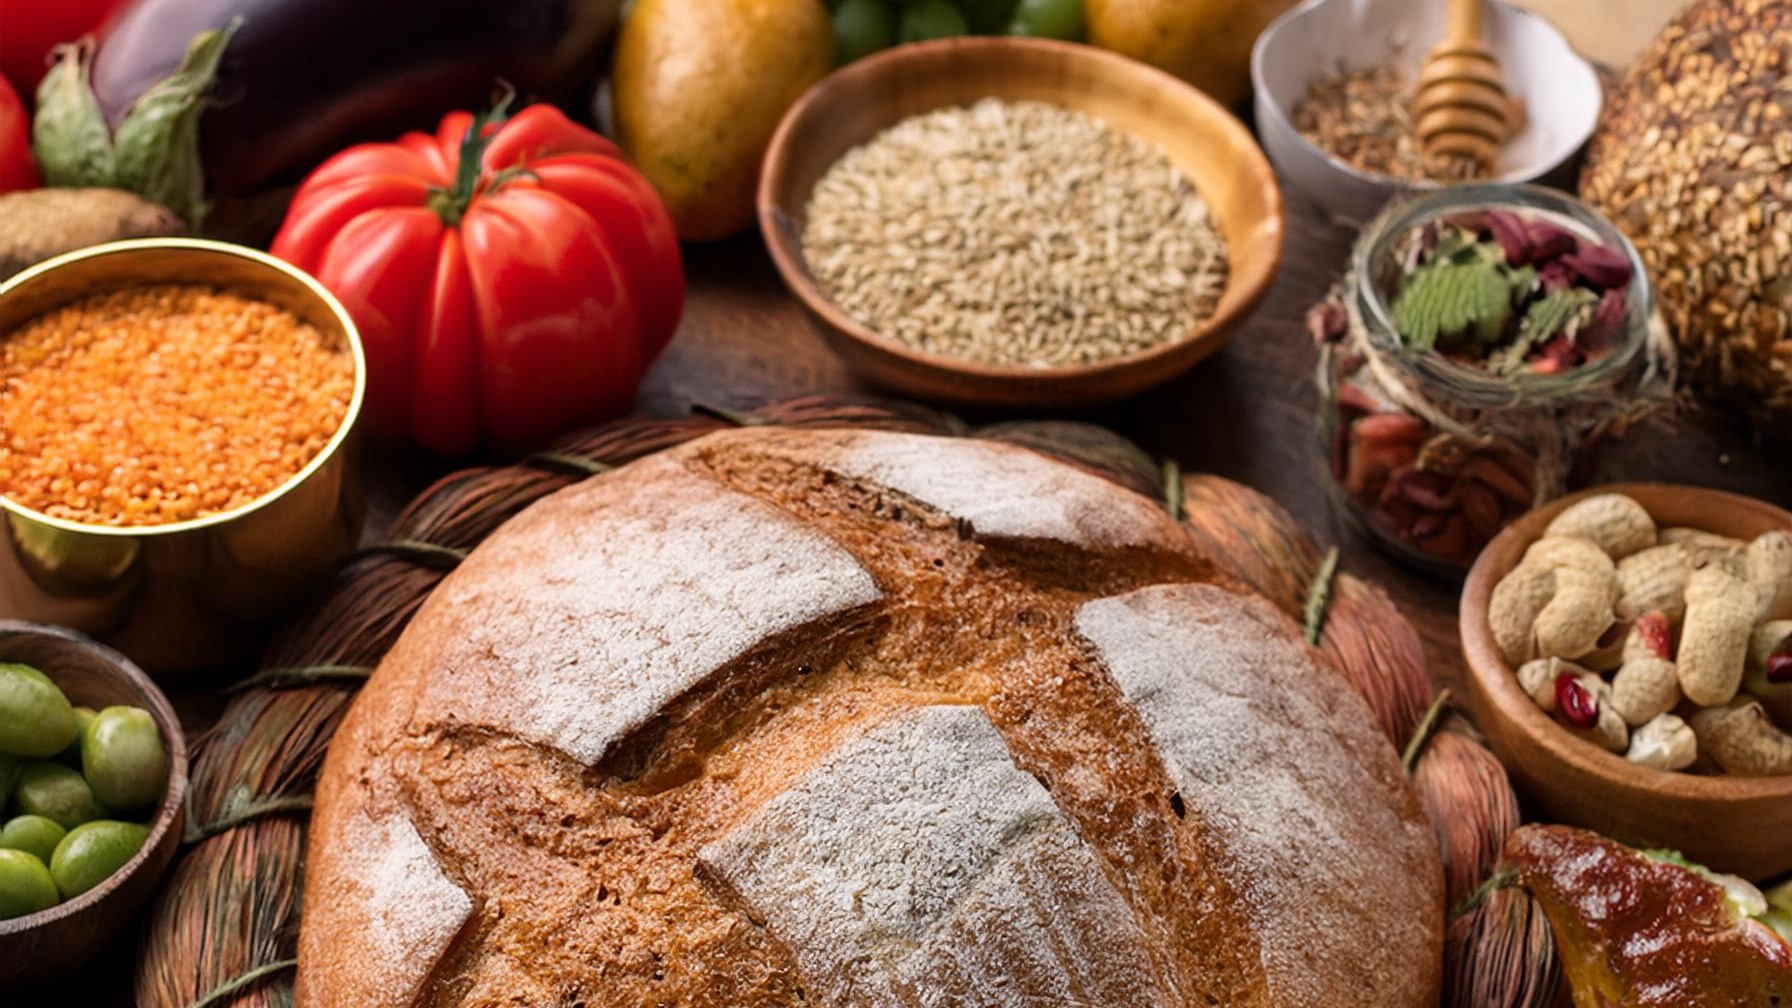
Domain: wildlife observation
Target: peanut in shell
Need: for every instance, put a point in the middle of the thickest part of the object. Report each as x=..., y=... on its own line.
x=1769, y=563
x=1741, y=739
x=1666, y=743
x=1720, y=617
x=1617, y=524
x=1654, y=580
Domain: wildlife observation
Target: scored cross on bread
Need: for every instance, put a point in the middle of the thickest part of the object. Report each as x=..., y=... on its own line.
x=860, y=719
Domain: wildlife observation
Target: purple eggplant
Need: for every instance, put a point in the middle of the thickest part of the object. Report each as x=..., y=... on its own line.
x=301, y=79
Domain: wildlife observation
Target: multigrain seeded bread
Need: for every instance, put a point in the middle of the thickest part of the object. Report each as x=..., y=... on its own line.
x=860, y=719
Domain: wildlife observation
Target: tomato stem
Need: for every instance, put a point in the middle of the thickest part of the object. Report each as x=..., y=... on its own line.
x=451, y=204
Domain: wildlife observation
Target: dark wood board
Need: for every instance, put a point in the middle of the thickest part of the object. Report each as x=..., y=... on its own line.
x=1247, y=414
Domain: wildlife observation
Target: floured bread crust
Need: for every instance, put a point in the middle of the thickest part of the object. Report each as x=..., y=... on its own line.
x=867, y=719
x=911, y=860
x=1243, y=714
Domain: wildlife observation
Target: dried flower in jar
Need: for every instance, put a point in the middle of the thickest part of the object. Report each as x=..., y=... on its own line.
x=1506, y=294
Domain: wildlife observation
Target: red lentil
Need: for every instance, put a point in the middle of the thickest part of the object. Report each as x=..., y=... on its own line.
x=160, y=404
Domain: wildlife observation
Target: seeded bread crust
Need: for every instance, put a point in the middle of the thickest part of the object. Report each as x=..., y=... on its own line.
x=860, y=719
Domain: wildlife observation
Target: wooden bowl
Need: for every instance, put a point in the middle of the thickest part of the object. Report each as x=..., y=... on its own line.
x=1731, y=824
x=50, y=943
x=857, y=102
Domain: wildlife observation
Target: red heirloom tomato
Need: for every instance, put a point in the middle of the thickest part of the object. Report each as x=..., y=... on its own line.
x=17, y=170
x=511, y=279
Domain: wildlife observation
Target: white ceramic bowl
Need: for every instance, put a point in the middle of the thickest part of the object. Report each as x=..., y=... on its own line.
x=1558, y=87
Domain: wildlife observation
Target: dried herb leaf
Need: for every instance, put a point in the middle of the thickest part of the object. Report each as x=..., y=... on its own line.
x=1453, y=298
x=1551, y=313
x=1555, y=312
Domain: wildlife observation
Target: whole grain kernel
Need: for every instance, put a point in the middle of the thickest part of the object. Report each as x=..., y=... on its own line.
x=1016, y=233
x=161, y=404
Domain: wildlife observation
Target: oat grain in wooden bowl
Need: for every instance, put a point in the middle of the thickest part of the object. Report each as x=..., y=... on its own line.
x=1016, y=222
x=1017, y=233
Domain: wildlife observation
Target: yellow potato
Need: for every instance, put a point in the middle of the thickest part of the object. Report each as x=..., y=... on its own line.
x=699, y=86
x=1205, y=42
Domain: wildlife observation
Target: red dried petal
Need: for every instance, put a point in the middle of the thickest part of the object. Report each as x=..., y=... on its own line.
x=1391, y=428
x=1350, y=397
x=1509, y=231
x=1555, y=357
x=1606, y=328
x=1549, y=240
x=1428, y=490
x=1578, y=705
x=1600, y=267
x=1555, y=276
x=1653, y=628
x=1328, y=321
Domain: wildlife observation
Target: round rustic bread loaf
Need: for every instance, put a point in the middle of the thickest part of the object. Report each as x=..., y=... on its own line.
x=860, y=719
x=1693, y=160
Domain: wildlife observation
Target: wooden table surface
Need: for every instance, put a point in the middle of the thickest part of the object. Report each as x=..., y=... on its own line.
x=1246, y=413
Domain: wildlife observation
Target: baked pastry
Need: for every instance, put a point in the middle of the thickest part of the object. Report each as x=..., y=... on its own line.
x=852, y=718
x=1647, y=931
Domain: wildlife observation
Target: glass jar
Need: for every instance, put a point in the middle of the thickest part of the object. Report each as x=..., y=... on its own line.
x=1433, y=454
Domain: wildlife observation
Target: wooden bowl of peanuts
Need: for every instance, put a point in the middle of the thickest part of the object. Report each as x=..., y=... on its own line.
x=1015, y=222
x=1629, y=656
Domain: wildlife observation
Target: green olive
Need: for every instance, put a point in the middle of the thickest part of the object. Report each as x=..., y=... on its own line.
x=32, y=834
x=930, y=19
x=862, y=27
x=71, y=754
x=55, y=792
x=92, y=852
x=987, y=16
x=35, y=718
x=1055, y=19
x=123, y=758
x=26, y=886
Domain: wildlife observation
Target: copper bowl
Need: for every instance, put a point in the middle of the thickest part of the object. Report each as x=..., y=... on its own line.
x=195, y=594
x=854, y=104
x=1732, y=824
x=50, y=943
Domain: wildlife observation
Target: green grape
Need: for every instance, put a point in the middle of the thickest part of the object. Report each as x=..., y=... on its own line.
x=987, y=17
x=930, y=19
x=862, y=27
x=1054, y=19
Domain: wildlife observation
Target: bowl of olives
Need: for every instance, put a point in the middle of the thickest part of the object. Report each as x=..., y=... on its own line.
x=93, y=781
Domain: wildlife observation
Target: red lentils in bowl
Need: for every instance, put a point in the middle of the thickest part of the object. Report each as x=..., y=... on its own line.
x=160, y=404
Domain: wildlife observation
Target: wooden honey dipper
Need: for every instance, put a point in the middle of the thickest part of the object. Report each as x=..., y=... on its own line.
x=1460, y=108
